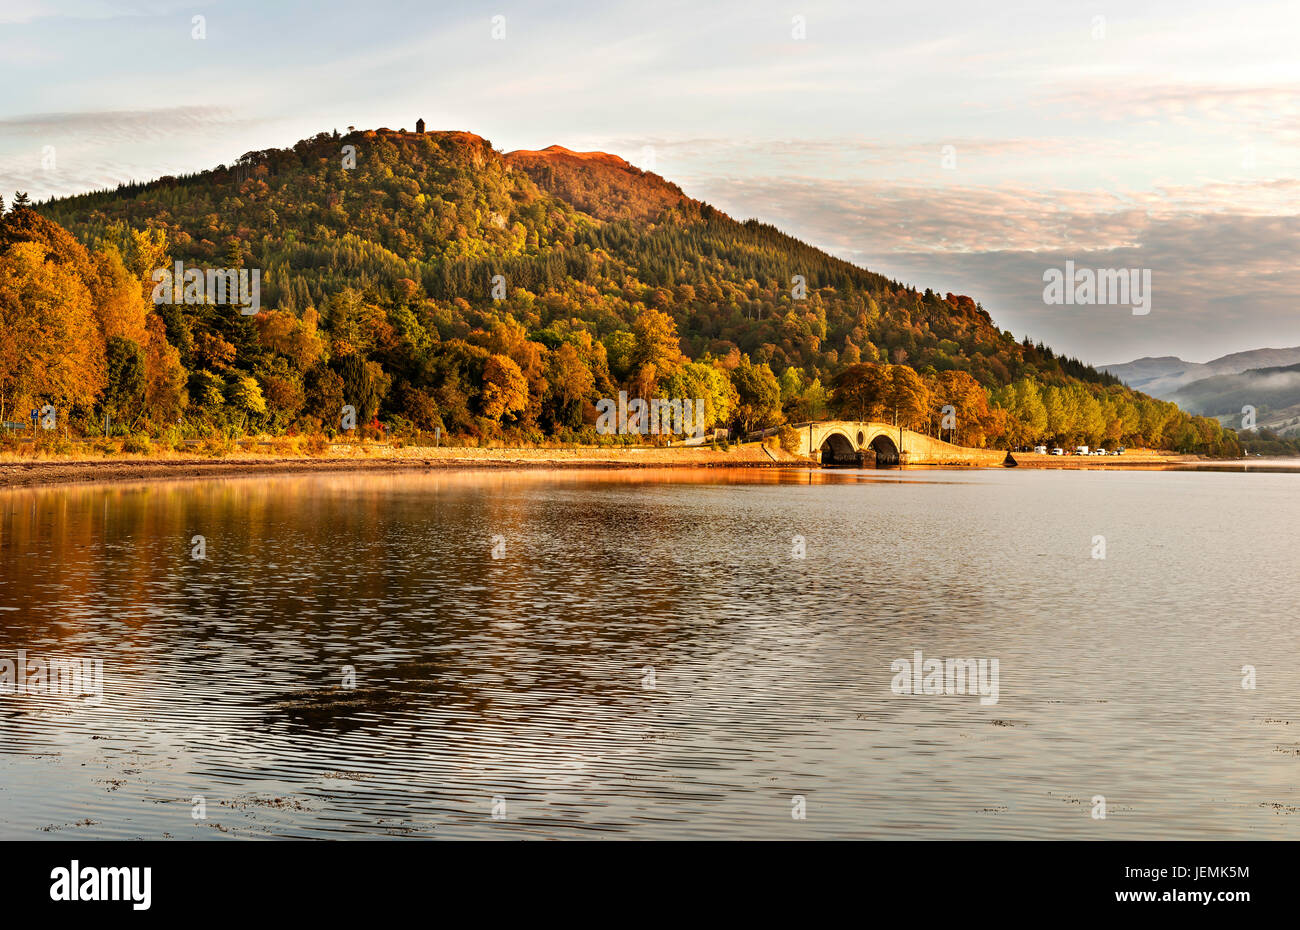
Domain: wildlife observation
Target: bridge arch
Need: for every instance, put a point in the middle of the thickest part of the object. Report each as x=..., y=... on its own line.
x=837, y=449
x=885, y=449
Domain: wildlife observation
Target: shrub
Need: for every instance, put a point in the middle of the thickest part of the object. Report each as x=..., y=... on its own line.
x=170, y=438
x=43, y=442
x=315, y=444
x=216, y=446
x=137, y=444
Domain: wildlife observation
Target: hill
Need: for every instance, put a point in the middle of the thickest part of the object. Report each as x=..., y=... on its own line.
x=1166, y=375
x=597, y=183
x=437, y=282
x=1273, y=392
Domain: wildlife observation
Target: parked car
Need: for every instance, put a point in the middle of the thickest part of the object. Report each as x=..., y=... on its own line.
x=1098, y=451
x=1080, y=450
x=1058, y=451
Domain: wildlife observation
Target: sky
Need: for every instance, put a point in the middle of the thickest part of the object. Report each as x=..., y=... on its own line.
x=963, y=146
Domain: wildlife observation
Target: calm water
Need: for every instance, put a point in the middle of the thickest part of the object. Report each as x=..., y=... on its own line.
x=648, y=660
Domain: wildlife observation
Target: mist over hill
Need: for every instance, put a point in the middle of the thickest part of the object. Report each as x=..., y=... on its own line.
x=1272, y=394
x=1165, y=376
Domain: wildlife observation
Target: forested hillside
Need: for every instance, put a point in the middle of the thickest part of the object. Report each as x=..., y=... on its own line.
x=434, y=282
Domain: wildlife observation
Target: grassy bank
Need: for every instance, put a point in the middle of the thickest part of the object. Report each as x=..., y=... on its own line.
x=87, y=463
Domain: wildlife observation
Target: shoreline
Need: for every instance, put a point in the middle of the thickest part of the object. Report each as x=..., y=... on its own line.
x=20, y=475
x=19, y=472
x=1136, y=460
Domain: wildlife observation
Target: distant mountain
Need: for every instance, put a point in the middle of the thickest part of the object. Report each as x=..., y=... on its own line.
x=1273, y=392
x=1165, y=375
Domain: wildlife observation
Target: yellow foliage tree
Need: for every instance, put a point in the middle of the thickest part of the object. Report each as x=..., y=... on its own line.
x=50, y=346
x=505, y=390
x=164, y=376
x=119, y=306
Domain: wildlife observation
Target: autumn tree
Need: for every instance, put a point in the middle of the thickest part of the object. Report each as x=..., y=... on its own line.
x=50, y=347
x=1027, y=415
x=419, y=408
x=324, y=392
x=758, y=403
x=906, y=395
x=970, y=406
x=118, y=305
x=285, y=334
x=859, y=391
x=213, y=351
x=620, y=348
x=658, y=349
x=508, y=338
x=164, y=387
x=505, y=391
x=699, y=381
x=570, y=384
x=146, y=252
x=244, y=396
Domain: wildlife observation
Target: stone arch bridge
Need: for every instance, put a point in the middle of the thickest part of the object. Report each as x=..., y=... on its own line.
x=851, y=442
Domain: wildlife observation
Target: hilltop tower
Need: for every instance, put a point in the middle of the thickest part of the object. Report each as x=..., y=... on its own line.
x=419, y=125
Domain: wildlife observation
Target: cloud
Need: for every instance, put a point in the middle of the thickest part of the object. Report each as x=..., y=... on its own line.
x=115, y=126
x=94, y=150
x=21, y=12
x=846, y=157
x=24, y=11
x=1221, y=255
x=1111, y=101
